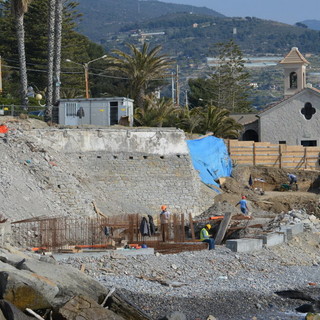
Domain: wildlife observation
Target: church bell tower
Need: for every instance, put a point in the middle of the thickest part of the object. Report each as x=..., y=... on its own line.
x=294, y=65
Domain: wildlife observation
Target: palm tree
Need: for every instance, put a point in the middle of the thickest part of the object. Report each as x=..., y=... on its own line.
x=217, y=121
x=140, y=67
x=57, y=51
x=19, y=8
x=51, y=32
x=189, y=119
x=155, y=112
x=55, y=11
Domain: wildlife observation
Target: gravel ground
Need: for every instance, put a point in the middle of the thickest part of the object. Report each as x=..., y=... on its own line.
x=220, y=283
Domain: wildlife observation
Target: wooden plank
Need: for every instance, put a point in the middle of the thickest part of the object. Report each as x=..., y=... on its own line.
x=192, y=227
x=240, y=143
x=249, y=154
x=182, y=228
x=305, y=158
x=267, y=154
x=269, y=158
x=223, y=228
x=312, y=155
x=267, y=147
x=97, y=210
x=245, y=163
x=280, y=155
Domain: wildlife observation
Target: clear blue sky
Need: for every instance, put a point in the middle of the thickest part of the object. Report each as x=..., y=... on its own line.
x=265, y=9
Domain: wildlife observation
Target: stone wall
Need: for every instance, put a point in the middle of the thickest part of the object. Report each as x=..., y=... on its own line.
x=130, y=171
x=141, y=183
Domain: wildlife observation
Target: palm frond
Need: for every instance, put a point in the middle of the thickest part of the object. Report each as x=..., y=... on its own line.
x=19, y=7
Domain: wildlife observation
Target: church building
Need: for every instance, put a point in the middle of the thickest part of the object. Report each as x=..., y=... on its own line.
x=295, y=120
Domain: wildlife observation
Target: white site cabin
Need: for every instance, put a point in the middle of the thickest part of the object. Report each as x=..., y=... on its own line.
x=95, y=111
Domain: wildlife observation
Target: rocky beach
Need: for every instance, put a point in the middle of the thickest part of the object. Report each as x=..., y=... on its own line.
x=219, y=283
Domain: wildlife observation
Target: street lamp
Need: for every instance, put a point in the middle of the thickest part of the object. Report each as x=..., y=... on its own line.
x=85, y=65
x=39, y=98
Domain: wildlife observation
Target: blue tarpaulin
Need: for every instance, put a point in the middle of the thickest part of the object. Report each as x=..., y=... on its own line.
x=210, y=158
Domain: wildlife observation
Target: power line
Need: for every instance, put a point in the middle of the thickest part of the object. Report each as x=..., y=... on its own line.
x=93, y=74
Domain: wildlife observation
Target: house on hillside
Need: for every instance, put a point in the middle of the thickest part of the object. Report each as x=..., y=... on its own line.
x=295, y=120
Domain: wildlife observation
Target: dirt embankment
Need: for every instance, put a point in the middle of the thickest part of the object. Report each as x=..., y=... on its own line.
x=264, y=193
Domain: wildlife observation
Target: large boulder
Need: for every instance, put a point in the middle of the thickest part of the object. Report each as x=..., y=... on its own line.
x=28, y=282
x=86, y=309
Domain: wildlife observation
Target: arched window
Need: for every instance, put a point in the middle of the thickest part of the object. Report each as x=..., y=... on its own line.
x=308, y=110
x=293, y=80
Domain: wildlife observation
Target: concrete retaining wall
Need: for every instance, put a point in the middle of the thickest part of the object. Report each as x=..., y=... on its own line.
x=130, y=170
x=160, y=141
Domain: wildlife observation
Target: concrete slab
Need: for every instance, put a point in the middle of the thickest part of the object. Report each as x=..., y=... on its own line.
x=273, y=239
x=244, y=245
x=291, y=230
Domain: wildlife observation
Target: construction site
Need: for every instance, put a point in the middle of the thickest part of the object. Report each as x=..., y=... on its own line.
x=73, y=192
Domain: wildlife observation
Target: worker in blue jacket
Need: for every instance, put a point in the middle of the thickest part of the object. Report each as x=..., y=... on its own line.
x=243, y=205
x=205, y=237
x=293, y=180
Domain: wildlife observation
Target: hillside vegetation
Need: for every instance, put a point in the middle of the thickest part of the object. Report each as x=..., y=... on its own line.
x=110, y=16
x=190, y=34
x=312, y=24
x=189, y=31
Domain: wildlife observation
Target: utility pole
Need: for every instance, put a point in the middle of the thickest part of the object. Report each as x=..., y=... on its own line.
x=86, y=78
x=85, y=66
x=177, y=87
x=187, y=106
x=172, y=87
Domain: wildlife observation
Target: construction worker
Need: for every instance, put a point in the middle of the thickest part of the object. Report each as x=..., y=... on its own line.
x=164, y=219
x=204, y=236
x=293, y=180
x=243, y=205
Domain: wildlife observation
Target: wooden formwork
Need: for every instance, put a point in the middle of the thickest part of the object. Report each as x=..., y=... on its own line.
x=274, y=155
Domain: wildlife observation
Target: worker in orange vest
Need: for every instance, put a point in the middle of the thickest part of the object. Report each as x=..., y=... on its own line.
x=164, y=219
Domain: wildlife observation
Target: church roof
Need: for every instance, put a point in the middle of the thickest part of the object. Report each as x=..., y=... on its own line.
x=244, y=118
x=273, y=105
x=294, y=56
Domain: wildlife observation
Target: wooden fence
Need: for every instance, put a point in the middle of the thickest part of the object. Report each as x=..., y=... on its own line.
x=274, y=155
